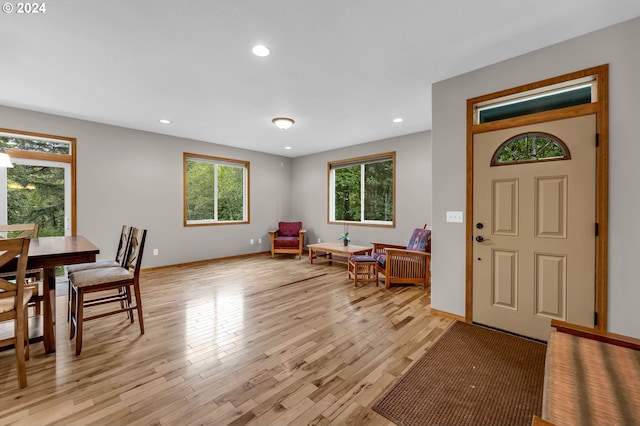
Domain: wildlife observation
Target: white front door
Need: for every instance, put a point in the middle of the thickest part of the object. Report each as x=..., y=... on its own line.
x=534, y=232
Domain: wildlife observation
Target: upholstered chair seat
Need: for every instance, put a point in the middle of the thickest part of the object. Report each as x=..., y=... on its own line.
x=89, y=277
x=288, y=238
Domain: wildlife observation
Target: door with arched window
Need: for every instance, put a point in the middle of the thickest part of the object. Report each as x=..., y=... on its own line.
x=534, y=226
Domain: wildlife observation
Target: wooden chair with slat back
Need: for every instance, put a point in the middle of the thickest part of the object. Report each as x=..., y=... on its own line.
x=19, y=230
x=32, y=276
x=13, y=302
x=410, y=264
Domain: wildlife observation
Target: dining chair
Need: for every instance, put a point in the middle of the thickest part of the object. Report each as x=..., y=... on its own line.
x=14, y=298
x=33, y=277
x=126, y=277
x=123, y=247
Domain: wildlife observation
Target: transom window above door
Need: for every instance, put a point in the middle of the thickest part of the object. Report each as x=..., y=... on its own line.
x=566, y=94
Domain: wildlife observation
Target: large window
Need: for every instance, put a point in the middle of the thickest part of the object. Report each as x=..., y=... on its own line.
x=215, y=190
x=39, y=188
x=361, y=190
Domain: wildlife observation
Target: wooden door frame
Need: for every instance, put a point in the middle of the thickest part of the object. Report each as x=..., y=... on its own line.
x=601, y=109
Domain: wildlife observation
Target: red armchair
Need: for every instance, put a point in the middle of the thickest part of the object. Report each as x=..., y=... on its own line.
x=288, y=238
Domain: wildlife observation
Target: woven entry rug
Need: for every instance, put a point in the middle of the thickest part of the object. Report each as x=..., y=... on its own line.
x=471, y=376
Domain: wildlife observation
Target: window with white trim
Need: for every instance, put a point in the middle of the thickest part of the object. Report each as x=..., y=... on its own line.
x=40, y=187
x=215, y=190
x=361, y=190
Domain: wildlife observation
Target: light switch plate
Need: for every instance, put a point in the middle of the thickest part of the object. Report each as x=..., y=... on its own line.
x=455, y=217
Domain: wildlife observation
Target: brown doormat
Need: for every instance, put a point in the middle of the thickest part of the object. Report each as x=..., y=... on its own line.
x=471, y=376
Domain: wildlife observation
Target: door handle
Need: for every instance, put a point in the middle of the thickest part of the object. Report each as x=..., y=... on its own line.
x=481, y=239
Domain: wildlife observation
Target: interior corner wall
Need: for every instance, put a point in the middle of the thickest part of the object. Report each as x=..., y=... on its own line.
x=617, y=46
x=413, y=190
x=132, y=177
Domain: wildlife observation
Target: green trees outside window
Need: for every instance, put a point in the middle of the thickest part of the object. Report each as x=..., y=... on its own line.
x=35, y=187
x=529, y=147
x=362, y=190
x=215, y=190
x=35, y=194
x=35, y=145
x=347, y=192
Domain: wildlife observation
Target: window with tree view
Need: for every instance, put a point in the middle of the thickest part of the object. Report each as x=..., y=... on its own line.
x=216, y=190
x=362, y=190
x=38, y=188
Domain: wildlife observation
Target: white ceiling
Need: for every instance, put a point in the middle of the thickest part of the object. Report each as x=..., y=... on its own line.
x=342, y=69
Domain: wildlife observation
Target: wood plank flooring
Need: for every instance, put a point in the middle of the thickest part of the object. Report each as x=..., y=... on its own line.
x=253, y=341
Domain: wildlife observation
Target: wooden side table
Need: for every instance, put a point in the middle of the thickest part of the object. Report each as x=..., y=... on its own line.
x=363, y=269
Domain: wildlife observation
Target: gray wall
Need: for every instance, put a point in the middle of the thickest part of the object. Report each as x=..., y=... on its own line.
x=413, y=190
x=617, y=46
x=131, y=177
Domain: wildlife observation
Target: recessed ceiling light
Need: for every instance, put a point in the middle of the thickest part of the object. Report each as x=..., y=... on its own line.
x=287, y=147
x=165, y=121
x=261, y=50
x=397, y=120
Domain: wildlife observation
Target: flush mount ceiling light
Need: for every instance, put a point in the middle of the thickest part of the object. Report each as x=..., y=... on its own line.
x=5, y=160
x=261, y=51
x=397, y=120
x=283, y=122
x=165, y=121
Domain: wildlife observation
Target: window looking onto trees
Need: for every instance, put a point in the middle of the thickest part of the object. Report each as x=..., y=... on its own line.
x=530, y=147
x=361, y=190
x=39, y=188
x=216, y=190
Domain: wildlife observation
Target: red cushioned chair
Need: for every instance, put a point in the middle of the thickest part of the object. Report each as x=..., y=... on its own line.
x=288, y=238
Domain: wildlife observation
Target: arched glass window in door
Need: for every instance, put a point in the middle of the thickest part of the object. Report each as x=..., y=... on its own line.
x=530, y=147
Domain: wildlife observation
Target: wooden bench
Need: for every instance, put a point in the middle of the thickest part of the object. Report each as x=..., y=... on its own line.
x=591, y=378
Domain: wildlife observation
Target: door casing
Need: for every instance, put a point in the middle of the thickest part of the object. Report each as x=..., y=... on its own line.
x=601, y=110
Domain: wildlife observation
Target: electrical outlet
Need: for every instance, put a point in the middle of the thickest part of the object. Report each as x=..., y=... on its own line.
x=259, y=240
x=155, y=252
x=319, y=240
x=455, y=217
x=251, y=241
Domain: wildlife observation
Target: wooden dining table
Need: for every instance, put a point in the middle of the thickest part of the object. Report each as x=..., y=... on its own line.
x=47, y=253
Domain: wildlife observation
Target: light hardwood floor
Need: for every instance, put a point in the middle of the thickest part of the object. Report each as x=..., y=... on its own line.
x=246, y=341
